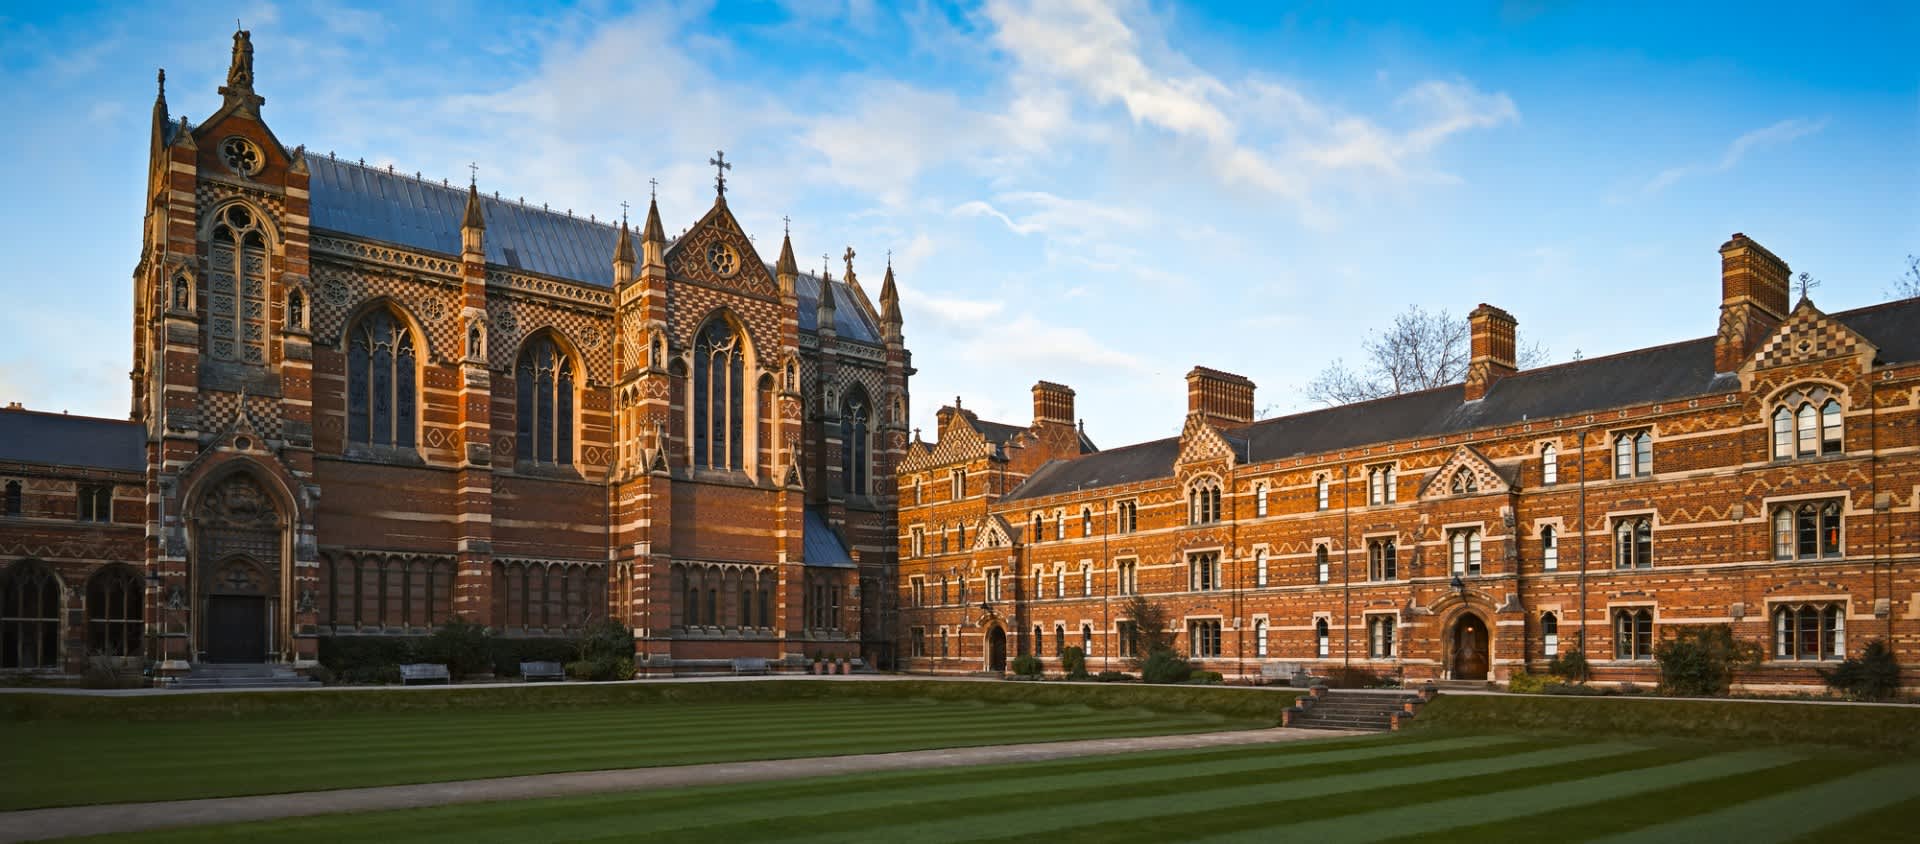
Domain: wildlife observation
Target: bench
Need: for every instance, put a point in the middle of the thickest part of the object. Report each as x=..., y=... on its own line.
x=750, y=665
x=542, y=671
x=1290, y=673
x=424, y=673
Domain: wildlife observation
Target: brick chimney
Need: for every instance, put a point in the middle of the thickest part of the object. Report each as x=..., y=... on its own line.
x=1753, y=300
x=1052, y=404
x=1223, y=398
x=1493, y=349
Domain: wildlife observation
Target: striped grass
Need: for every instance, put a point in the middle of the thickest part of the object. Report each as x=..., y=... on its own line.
x=77, y=763
x=1460, y=787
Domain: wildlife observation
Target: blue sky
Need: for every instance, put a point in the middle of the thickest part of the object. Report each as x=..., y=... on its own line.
x=1099, y=194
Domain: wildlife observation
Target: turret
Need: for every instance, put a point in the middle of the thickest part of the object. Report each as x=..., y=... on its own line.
x=653, y=239
x=786, y=271
x=473, y=227
x=623, y=257
x=889, y=305
x=823, y=315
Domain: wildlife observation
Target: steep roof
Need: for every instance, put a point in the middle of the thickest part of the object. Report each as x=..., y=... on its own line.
x=1659, y=373
x=57, y=439
x=396, y=208
x=819, y=544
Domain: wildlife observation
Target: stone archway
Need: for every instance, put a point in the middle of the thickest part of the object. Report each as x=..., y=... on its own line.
x=238, y=570
x=996, y=650
x=1468, y=657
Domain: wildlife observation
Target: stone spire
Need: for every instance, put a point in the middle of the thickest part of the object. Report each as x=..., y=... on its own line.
x=239, y=87
x=823, y=315
x=473, y=224
x=623, y=255
x=786, y=270
x=889, y=302
x=161, y=121
x=653, y=237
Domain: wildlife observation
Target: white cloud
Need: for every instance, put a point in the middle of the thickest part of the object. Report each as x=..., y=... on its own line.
x=1783, y=132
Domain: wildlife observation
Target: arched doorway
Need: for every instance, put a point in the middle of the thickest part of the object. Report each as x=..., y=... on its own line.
x=1469, y=646
x=238, y=567
x=997, y=648
x=237, y=612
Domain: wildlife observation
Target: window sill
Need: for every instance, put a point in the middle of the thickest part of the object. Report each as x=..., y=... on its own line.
x=390, y=456
x=551, y=471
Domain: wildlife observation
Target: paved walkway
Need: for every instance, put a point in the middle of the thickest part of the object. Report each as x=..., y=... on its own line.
x=38, y=824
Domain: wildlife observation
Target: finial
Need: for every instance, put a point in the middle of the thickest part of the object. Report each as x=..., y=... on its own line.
x=786, y=225
x=163, y=82
x=623, y=212
x=889, y=260
x=825, y=262
x=653, y=189
x=473, y=173
x=849, y=259
x=720, y=168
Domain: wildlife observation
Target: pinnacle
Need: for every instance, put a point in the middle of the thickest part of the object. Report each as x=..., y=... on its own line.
x=652, y=232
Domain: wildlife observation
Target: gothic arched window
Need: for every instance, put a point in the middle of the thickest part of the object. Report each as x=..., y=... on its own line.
x=856, y=416
x=29, y=616
x=381, y=396
x=237, y=287
x=113, y=611
x=719, y=398
x=544, y=378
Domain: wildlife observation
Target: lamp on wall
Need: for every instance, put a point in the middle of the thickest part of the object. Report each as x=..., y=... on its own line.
x=1459, y=586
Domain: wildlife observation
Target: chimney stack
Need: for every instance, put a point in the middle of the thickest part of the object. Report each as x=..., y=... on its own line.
x=1753, y=300
x=1493, y=349
x=1052, y=404
x=1222, y=398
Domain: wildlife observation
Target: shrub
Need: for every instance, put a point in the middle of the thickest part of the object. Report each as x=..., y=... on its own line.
x=1875, y=675
x=1575, y=689
x=601, y=669
x=1114, y=677
x=1571, y=666
x=461, y=645
x=1350, y=677
x=104, y=672
x=606, y=639
x=509, y=653
x=322, y=674
x=366, y=659
x=1165, y=666
x=1527, y=684
x=1026, y=665
x=1205, y=678
x=1074, y=661
x=1699, y=660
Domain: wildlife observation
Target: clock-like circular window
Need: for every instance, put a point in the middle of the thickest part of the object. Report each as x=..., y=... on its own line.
x=241, y=156
x=722, y=258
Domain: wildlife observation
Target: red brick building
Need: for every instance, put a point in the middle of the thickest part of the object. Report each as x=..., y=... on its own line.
x=1767, y=477
x=366, y=402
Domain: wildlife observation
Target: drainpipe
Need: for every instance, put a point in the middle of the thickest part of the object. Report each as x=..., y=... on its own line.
x=1346, y=566
x=1106, y=584
x=1582, y=634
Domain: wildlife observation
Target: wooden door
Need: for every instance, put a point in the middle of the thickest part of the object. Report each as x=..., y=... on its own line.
x=236, y=628
x=1470, y=650
x=997, y=650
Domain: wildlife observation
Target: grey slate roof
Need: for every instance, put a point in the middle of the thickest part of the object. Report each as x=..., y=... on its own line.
x=819, y=544
x=376, y=204
x=56, y=439
x=1659, y=373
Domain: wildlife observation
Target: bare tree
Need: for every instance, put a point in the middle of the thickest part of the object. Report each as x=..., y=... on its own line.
x=1907, y=285
x=1420, y=350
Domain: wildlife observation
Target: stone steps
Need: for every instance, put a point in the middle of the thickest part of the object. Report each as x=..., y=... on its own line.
x=243, y=676
x=1350, y=711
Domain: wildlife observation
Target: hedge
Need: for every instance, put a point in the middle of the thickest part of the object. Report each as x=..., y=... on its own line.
x=1870, y=727
x=1228, y=702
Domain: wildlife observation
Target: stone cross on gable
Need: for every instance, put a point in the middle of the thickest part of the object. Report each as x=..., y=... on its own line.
x=720, y=168
x=623, y=211
x=473, y=171
x=653, y=189
x=849, y=259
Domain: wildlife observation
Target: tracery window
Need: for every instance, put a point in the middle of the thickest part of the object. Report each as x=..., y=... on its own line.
x=719, y=397
x=856, y=448
x=1807, y=530
x=114, y=617
x=1807, y=423
x=1463, y=544
x=1633, y=542
x=29, y=616
x=94, y=503
x=1383, y=559
x=544, y=377
x=237, y=287
x=1380, y=485
x=1129, y=577
x=1633, y=454
x=1464, y=482
x=1380, y=629
x=1810, y=631
x=1203, y=502
x=1203, y=572
x=1126, y=517
x=1633, y=633
x=381, y=374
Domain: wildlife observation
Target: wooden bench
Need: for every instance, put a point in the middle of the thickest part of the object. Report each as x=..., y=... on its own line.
x=542, y=671
x=1289, y=673
x=750, y=665
x=424, y=674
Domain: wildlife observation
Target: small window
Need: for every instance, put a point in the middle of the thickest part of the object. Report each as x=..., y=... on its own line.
x=1463, y=546
x=1260, y=638
x=1086, y=521
x=1550, y=634
x=1380, y=630
x=958, y=484
x=1205, y=638
x=1059, y=580
x=919, y=636
x=1383, y=559
x=1549, y=549
x=1633, y=542
x=1086, y=640
x=1037, y=640
x=943, y=641
x=1549, y=464
x=1810, y=631
x=1059, y=525
x=1260, y=567
x=1059, y=638
x=1203, y=572
x=1633, y=454
x=1260, y=501
x=1320, y=492
x=1323, y=644
x=918, y=588
x=1203, y=502
x=1381, y=485
x=1086, y=580
x=1129, y=635
x=1323, y=570
x=1126, y=517
x=1039, y=527
x=11, y=505
x=1129, y=577
x=1633, y=634
x=95, y=503
x=916, y=541
x=1807, y=530
x=993, y=585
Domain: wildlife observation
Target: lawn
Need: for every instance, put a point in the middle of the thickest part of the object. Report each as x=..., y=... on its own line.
x=1463, y=787
x=55, y=761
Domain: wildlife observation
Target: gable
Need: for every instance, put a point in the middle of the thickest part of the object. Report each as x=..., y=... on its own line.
x=1810, y=335
x=1201, y=442
x=717, y=253
x=992, y=532
x=1467, y=462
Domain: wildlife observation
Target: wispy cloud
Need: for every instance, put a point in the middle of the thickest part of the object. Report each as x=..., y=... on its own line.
x=1783, y=132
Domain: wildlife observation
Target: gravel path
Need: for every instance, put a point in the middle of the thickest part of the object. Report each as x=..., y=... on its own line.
x=39, y=824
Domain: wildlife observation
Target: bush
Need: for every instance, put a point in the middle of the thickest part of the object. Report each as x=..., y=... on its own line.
x=461, y=645
x=1114, y=677
x=1205, y=678
x=1527, y=684
x=1350, y=677
x=509, y=653
x=1699, y=660
x=1165, y=666
x=105, y=672
x=1570, y=666
x=323, y=675
x=606, y=639
x=372, y=675
x=601, y=669
x=1575, y=689
x=366, y=659
x=1074, y=661
x=1875, y=675
x=1026, y=665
